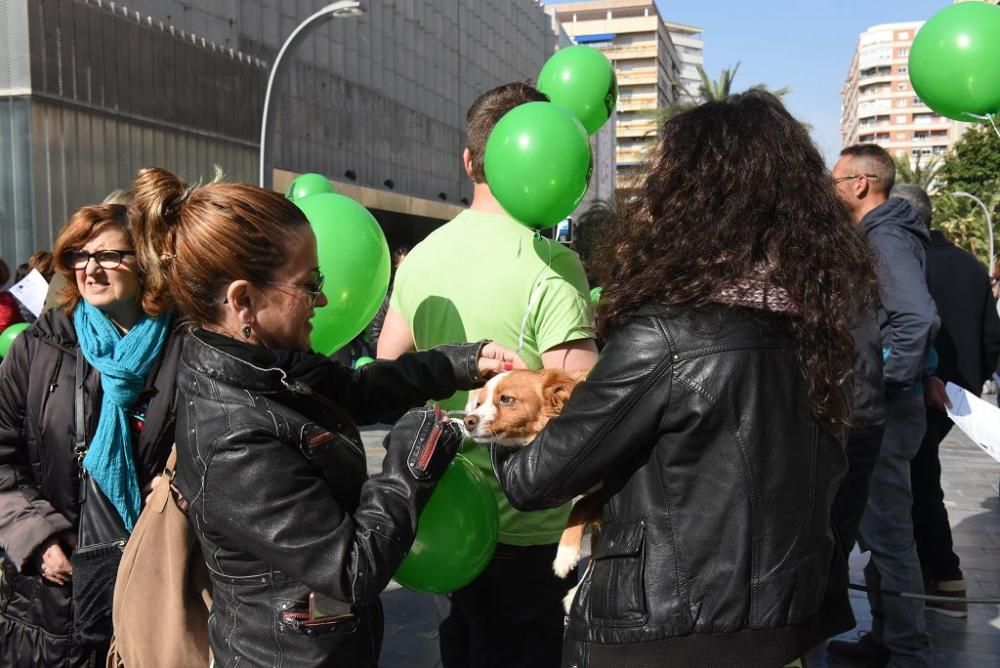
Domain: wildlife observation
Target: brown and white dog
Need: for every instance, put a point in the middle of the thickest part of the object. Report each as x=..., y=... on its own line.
x=510, y=410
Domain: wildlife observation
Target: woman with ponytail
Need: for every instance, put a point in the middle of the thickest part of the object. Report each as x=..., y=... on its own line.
x=86, y=422
x=298, y=539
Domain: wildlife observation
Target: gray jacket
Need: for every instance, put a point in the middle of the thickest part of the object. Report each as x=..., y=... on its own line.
x=907, y=317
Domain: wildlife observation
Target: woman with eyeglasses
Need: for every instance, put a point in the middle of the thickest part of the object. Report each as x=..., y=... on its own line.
x=298, y=539
x=86, y=422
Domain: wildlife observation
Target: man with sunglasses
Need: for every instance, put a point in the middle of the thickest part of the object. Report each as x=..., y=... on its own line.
x=908, y=322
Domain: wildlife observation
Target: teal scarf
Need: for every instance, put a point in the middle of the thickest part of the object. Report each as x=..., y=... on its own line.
x=123, y=362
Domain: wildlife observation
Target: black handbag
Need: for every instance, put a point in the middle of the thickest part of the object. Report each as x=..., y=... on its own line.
x=101, y=538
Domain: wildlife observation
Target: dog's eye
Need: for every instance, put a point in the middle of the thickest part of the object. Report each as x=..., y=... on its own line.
x=506, y=400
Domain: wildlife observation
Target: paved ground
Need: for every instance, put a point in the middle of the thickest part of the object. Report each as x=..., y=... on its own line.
x=971, y=494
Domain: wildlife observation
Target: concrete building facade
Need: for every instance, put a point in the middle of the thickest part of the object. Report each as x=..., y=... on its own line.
x=690, y=45
x=879, y=105
x=92, y=90
x=633, y=35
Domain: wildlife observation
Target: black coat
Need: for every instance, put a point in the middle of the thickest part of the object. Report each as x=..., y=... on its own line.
x=868, y=399
x=275, y=471
x=968, y=343
x=39, y=482
x=715, y=547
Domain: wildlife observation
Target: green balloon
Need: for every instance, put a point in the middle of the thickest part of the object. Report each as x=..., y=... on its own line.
x=354, y=259
x=582, y=80
x=8, y=335
x=362, y=361
x=456, y=533
x=305, y=185
x=595, y=295
x=954, y=61
x=538, y=163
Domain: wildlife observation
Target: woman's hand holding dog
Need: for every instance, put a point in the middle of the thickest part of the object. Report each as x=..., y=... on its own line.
x=422, y=443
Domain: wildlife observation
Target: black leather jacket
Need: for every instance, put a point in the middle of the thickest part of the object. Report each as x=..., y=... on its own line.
x=273, y=467
x=716, y=544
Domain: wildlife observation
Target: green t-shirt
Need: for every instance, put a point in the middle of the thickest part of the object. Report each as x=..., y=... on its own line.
x=485, y=276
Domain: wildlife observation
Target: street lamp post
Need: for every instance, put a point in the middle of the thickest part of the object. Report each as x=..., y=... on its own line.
x=989, y=223
x=336, y=10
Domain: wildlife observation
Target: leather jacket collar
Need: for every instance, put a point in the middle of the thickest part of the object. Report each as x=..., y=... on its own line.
x=251, y=367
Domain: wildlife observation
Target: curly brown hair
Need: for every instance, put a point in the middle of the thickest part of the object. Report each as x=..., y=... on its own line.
x=736, y=189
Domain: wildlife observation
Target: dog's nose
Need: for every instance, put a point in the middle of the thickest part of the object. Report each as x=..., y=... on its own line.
x=471, y=421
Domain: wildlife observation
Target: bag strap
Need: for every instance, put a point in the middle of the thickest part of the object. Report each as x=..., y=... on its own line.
x=161, y=495
x=80, y=439
x=171, y=466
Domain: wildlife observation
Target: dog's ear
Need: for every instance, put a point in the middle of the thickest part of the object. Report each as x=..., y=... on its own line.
x=556, y=388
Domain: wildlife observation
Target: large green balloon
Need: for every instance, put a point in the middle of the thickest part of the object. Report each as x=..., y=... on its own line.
x=538, y=163
x=305, y=185
x=456, y=533
x=8, y=335
x=354, y=258
x=955, y=61
x=581, y=79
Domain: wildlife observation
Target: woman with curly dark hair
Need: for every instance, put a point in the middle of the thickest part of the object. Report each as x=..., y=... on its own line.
x=714, y=420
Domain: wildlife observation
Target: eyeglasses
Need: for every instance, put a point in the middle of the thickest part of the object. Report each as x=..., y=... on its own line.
x=106, y=259
x=313, y=287
x=855, y=176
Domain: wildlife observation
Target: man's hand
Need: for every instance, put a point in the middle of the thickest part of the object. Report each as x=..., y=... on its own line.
x=934, y=393
x=53, y=563
x=495, y=359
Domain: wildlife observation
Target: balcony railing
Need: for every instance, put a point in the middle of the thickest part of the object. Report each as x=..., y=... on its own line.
x=636, y=129
x=622, y=51
x=643, y=76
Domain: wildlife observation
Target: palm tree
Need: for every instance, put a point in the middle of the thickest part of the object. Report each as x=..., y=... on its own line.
x=917, y=174
x=712, y=90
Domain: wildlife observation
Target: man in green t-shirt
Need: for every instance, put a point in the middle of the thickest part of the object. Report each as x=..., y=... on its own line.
x=485, y=276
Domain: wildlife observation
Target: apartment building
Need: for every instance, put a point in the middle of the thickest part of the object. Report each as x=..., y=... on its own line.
x=690, y=47
x=879, y=105
x=633, y=35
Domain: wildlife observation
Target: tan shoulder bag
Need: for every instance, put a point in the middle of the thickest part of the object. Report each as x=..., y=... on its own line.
x=163, y=593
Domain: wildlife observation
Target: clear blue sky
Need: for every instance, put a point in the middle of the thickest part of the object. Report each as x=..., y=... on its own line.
x=806, y=45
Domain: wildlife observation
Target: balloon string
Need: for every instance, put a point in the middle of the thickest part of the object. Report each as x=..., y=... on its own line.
x=534, y=293
x=986, y=117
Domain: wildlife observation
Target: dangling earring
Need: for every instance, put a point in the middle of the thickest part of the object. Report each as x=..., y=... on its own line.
x=246, y=331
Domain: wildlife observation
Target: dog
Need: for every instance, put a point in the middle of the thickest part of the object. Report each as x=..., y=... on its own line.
x=510, y=410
